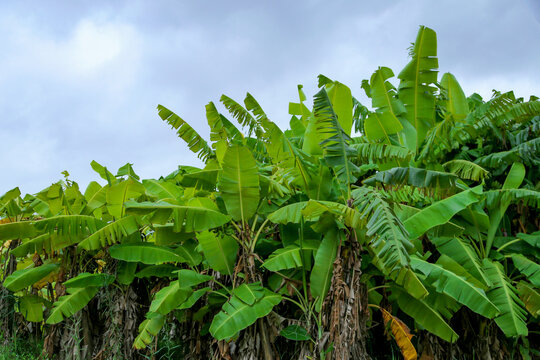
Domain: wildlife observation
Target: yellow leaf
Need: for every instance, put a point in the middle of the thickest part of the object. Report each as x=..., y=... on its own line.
x=52, y=277
x=402, y=335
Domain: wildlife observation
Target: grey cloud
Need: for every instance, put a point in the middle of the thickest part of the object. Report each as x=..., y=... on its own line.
x=81, y=80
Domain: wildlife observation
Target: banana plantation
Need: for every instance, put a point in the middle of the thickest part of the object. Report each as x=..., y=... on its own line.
x=407, y=228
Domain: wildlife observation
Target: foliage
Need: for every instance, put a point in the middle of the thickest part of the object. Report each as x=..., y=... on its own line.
x=432, y=205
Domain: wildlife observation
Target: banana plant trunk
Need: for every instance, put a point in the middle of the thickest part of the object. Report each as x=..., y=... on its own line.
x=348, y=310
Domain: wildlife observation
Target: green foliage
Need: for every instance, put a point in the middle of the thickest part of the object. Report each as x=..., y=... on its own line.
x=433, y=207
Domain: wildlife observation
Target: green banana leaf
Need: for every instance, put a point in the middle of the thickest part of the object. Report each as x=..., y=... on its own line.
x=188, y=251
x=504, y=295
x=148, y=329
x=239, y=183
x=161, y=189
x=189, y=278
x=457, y=287
x=323, y=267
x=413, y=176
x=68, y=305
x=381, y=153
x=194, y=141
x=186, y=218
x=70, y=225
x=31, y=307
x=456, y=102
x=169, y=298
x=528, y=268
x=23, y=278
x=119, y=193
x=85, y=279
x=334, y=140
x=219, y=250
x=125, y=272
x=103, y=172
x=288, y=257
x=416, y=89
x=195, y=295
x=145, y=253
x=389, y=239
x=466, y=169
x=17, y=230
x=110, y=233
x=497, y=202
x=440, y=212
x=385, y=120
x=161, y=271
x=424, y=314
x=237, y=315
x=462, y=252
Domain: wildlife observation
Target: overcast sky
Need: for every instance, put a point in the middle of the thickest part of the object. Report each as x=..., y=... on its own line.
x=80, y=80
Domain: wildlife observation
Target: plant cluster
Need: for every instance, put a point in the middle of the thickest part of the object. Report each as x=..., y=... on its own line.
x=311, y=242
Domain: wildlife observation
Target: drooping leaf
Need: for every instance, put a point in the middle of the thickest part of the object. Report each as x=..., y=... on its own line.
x=291, y=213
x=169, y=298
x=145, y=253
x=236, y=315
x=464, y=254
x=194, y=141
x=31, y=307
x=17, y=230
x=164, y=270
x=440, y=212
x=466, y=169
x=119, y=193
x=528, y=268
x=455, y=286
x=23, y=278
x=390, y=240
x=295, y=332
x=504, y=295
x=188, y=252
x=125, y=272
x=186, y=218
x=148, y=329
x=530, y=297
x=401, y=334
x=103, y=172
x=381, y=153
x=189, y=278
x=414, y=177
x=196, y=295
x=161, y=189
x=288, y=257
x=110, y=233
x=242, y=115
x=87, y=279
x=68, y=305
x=70, y=225
x=127, y=170
x=424, y=314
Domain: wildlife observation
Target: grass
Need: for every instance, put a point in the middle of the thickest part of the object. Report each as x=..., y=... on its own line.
x=20, y=349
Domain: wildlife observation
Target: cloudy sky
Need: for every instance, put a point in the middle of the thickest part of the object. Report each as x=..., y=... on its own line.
x=80, y=80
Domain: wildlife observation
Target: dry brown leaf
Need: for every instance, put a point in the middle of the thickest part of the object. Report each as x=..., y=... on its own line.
x=402, y=335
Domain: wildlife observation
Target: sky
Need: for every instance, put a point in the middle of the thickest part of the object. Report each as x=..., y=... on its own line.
x=80, y=80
